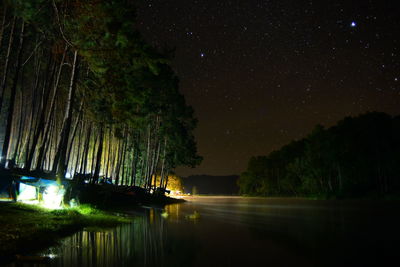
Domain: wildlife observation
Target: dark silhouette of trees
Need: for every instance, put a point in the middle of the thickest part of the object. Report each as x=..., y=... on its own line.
x=356, y=158
x=83, y=95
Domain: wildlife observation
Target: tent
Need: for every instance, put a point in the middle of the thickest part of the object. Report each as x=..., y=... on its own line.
x=35, y=190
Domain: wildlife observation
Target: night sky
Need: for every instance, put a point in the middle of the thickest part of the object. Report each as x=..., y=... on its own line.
x=260, y=74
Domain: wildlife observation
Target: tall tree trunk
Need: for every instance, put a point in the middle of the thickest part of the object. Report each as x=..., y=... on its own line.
x=86, y=151
x=7, y=63
x=146, y=176
x=34, y=103
x=20, y=127
x=117, y=165
x=98, y=156
x=135, y=158
x=6, y=144
x=166, y=179
x=59, y=159
x=40, y=124
x=51, y=112
x=93, y=155
x=163, y=163
x=156, y=164
x=78, y=153
x=109, y=152
x=49, y=148
x=123, y=161
x=71, y=142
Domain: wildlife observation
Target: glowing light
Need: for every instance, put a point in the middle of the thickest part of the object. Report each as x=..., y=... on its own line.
x=353, y=24
x=194, y=216
x=175, y=193
x=165, y=214
x=68, y=175
x=53, y=197
x=6, y=199
x=27, y=193
x=31, y=202
x=73, y=203
x=50, y=256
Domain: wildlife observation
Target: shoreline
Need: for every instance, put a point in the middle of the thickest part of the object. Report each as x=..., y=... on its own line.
x=364, y=198
x=28, y=228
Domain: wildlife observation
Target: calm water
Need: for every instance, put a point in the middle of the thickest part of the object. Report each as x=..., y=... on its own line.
x=244, y=232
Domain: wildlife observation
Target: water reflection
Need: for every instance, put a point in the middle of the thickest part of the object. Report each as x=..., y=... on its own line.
x=141, y=243
x=243, y=232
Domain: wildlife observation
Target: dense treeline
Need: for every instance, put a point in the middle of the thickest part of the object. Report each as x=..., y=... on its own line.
x=358, y=157
x=83, y=95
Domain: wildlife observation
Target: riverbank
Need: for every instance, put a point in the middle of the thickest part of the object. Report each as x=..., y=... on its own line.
x=28, y=228
x=111, y=197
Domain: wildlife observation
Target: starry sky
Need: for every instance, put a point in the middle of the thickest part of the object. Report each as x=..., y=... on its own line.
x=260, y=74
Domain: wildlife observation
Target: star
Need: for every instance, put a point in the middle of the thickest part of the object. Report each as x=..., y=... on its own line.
x=266, y=57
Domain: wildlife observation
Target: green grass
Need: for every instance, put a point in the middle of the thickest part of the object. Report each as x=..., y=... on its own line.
x=25, y=228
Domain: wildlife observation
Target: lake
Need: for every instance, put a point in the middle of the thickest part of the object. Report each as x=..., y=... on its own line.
x=236, y=231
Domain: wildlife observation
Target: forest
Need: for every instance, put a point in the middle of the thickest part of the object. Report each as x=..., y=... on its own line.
x=358, y=157
x=83, y=95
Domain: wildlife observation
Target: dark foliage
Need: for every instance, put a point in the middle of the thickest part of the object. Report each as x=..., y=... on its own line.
x=356, y=158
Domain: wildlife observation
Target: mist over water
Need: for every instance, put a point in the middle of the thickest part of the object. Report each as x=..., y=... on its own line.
x=234, y=231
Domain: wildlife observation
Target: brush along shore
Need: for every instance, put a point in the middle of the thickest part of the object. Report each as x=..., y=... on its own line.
x=29, y=228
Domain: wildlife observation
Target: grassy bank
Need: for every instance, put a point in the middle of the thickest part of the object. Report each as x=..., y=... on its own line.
x=28, y=228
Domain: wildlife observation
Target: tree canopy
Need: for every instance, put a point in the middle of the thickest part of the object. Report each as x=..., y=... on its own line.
x=84, y=95
x=358, y=157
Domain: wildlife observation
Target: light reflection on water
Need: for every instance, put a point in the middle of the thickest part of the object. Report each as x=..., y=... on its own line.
x=140, y=243
x=243, y=232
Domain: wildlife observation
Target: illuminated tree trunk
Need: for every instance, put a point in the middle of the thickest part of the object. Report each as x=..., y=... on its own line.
x=117, y=162
x=40, y=124
x=163, y=163
x=154, y=171
x=59, y=160
x=155, y=155
x=6, y=65
x=86, y=151
x=52, y=142
x=78, y=152
x=109, y=153
x=32, y=111
x=166, y=179
x=121, y=163
x=147, y=163
x=99, y=156
x=135, y=158
x=75, y=128
x=51, y=112
x=103, y=161
x=20, y=128
x=93, y=155
x=10, y=115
